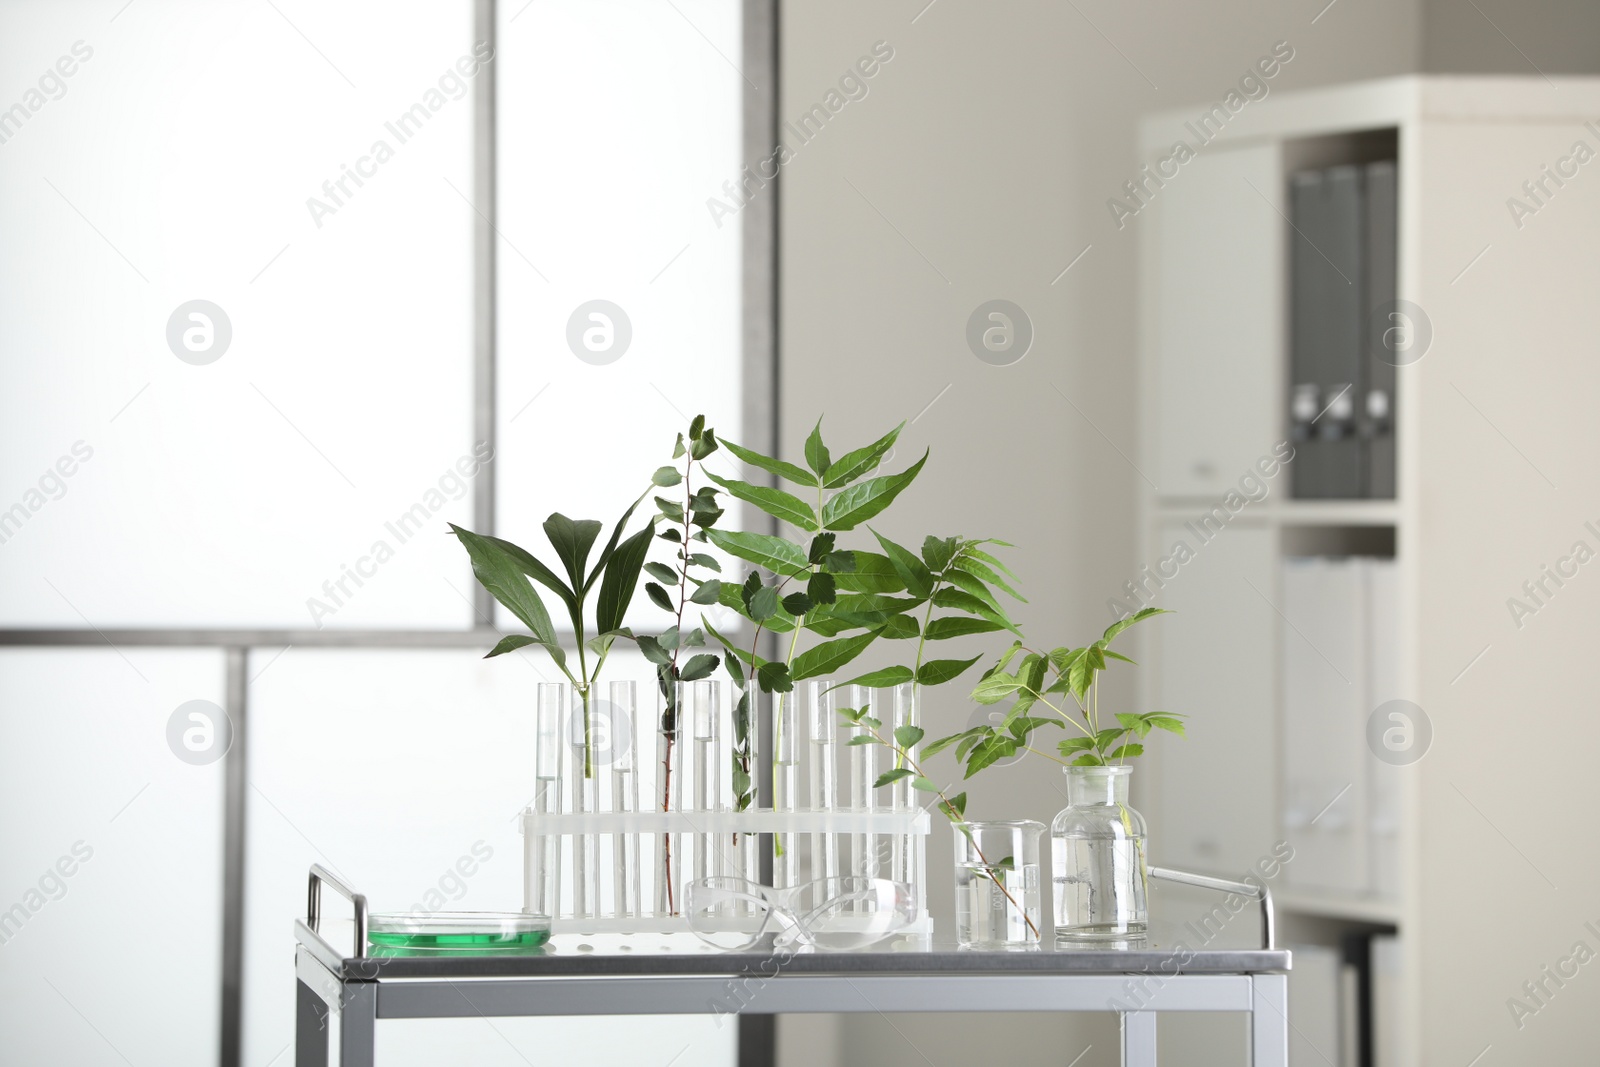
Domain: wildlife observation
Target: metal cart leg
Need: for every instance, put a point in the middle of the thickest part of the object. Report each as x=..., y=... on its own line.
x=1138, y=1038
x=358, y=1023
x=1269, y=1020
x=310, y=1028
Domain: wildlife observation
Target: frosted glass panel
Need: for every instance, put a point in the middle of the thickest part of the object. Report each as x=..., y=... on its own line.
x=111, y=871
x=618, y=121
x=157, y=468
x=392, y=768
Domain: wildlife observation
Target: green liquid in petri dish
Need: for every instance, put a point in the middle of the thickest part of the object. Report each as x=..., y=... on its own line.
x=465, y=941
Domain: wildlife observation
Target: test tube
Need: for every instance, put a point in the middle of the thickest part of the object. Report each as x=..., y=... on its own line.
x=785, y=786
x=700, y=702
x=669, y=798
x=863, y=773
x=903, y=699
x=823, y=728
x=583, y=751
x=544, y=853
x=623, y=735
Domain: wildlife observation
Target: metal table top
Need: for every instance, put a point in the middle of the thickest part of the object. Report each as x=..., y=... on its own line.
x=1169, y=951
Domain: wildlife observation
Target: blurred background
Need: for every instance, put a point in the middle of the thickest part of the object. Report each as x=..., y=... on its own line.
x=287, y=286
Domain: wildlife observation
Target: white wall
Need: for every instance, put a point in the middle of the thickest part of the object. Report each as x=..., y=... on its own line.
x=977, y=167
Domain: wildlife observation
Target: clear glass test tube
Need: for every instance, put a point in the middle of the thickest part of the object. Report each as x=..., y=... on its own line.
x=668, y=797
x=822, y=727
x=902, y=701
x=745, y=730
x=863, y=773
x=544, y=852
x=583, y=750
x=624, y=737
x=699, y=702
x=785, y=784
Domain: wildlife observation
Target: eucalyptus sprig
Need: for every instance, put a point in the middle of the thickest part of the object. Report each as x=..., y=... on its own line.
x=904, y=739
x=1076, y=674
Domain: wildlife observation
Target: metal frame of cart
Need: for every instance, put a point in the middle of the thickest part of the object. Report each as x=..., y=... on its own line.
x=1137, y=983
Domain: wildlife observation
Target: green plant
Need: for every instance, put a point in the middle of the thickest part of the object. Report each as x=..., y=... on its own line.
x=508, y=572
x=1076, y=674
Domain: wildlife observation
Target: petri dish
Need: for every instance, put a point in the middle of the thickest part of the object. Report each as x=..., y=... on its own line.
x=456, y=932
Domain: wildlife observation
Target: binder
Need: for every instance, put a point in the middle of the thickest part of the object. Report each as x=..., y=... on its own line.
x=1324, y=725
x=1327, y=265
x=1376, y=415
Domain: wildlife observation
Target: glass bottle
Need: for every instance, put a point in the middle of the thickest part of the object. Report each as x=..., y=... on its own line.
x=1098, y=859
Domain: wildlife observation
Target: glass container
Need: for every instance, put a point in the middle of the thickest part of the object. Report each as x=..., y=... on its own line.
x=1098, y=859
x=997, y=884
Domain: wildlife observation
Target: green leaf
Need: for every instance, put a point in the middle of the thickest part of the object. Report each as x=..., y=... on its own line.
x=987, y=574
x=1137, y=723
x=852, y=465
x=621, y=579
x=666, y=477
x=995, y=687
x=862, y=739
x=798, y=475
x=1117, y=655
x=1122, y=624
x=940, y=671
x=572, y=541
x=960, y=601
x=661, y=573
x=775, y=678
x=933, y=748
x=840, y=562
x=924, y=784
x=916, y=577
x=907, y=736
x=1107, y=736
x=816, y=451
x=1075, y=744
x=775, y=502
x=995, y=748
x=670, y=510
x=1170, y=723
x=978, y=553
x=697, y=426
x=709, y=562
x=710, y=592
x=899, y=628
x=703, y=446
x=949, y=626
x=853, y=506
x=893, y=776
x=973, y=587
x=741, y=778
x=611, y=546
x=822, y=588
x=658, y=596
x=501, y=572
x=1089, y=759
x=1126, y=752
x=882, y=678
x=761, y=600
x=830, y=656
x=699, y=666
x=819, y=548
x=652, y=650
x=781, y=557
x=936, y=551
x=735, y=671
x=872, y=574
x=959, y=803
x=797, y=604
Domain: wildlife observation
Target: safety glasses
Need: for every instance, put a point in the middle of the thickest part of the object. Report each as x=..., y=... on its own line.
x=830, y=913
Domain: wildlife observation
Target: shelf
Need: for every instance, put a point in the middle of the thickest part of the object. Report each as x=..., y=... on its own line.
x=1292, y=512
x=1338, y=906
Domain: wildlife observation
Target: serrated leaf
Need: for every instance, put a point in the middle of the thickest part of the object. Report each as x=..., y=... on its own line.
x=888, y=777
x=762, y=601
x=819, y=548
x=882, y=678
x=816, y=451
x=940, y=671
x=774, y=678
x=899, y=628
x=873, y=573
x=1122, y=624
x=830, y=655
x=851, y=507
x=957, y=600
x=710, y=592
x=658, y=596
x=699, y=666
x=981, y=571
x=703, y=560
x=973, y=587
x=670, y=534
x=797, y=604
x=1074, y=744
x=852, y=465
x=670, y=510
x=840, y=562
x=783, y=506
x=978, y=553
x=821, y=588
x=959, y=802
x=907, y=736
x=780, y=556
x=666, y=477
x=948, y=626
x=995, y=687
x=652, y=650
x=933, y=748
x=1137, y=723
x=1126, y=751
x=861, y=739
x=798, y=475
x=1170, y=723
x=912, y=572
x=936, y=552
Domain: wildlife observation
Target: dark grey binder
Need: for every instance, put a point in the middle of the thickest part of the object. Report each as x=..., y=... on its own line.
x=1377, y=407
x=1328, y=291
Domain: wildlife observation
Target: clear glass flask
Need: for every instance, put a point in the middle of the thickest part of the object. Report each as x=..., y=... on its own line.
x=1098, y=859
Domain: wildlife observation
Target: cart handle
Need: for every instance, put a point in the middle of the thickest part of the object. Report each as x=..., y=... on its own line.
x=1223, y=885
x=319, y=875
